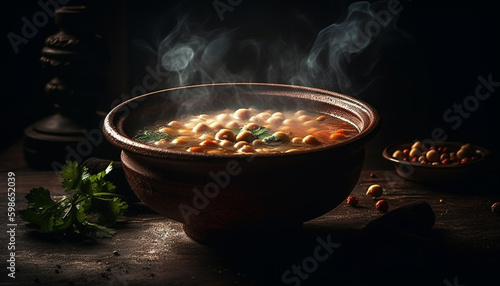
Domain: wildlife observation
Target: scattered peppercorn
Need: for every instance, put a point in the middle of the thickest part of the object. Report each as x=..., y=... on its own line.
x=352, y=201
x=382, y=206
x=441, y=201
x=372, y=175
x=495, y=208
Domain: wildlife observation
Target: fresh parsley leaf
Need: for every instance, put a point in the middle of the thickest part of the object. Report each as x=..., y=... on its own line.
x=259, y=133
x=149, y=136
x=89, y=194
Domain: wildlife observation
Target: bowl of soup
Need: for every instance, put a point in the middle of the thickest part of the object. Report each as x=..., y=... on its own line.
x=234, y=161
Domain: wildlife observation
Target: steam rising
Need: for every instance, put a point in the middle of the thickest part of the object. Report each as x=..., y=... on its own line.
x=194, y=56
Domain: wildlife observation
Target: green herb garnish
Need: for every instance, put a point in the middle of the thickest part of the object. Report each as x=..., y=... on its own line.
x=149, y=136
x=259, y=133
x=90, y=195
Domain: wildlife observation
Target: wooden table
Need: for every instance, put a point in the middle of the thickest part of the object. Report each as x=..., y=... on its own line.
x=462, y=248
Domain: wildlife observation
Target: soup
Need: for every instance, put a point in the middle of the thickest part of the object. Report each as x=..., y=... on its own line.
x=248, y=130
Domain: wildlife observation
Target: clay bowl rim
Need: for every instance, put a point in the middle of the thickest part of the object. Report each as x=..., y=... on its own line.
x=118, y=137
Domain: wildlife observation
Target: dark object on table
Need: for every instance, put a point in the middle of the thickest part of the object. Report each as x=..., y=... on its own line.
x=73, y=56
x=413, y=219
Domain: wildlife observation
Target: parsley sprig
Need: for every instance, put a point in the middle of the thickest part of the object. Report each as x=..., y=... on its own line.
x=91, y=196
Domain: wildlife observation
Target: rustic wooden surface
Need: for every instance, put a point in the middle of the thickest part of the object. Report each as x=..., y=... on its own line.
x=463, y=247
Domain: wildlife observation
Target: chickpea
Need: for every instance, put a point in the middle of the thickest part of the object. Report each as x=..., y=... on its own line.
x=462, y=153
x=216, y=125
x=246, y=149
x=418, y=145
x=289, y=121
x=240, y=144
x=161, y=143
x=209, y=143
x=375, y=191
x=398, y=155
x=245, y=135
x=296, y=140
x=225, y=134
x=181, y=140
x=232, y=125
x=225, y=143
x=201, y=127
x=258, y=143
x=223, y=117
x=310, y=140
x=264, y=115
x=167, y=130
x=415, y=152
x=300, y=112
x=206, y=136
x=252, y=126
x=287, y=129
x=282, y=136
x=204, y=117
x=275, y=121
x=432, y=156
x=278, y=114
x=190, y=125
x=175, y=124
x=184, y=131
x=256, y=119
x=320, y=118
x=242, y=113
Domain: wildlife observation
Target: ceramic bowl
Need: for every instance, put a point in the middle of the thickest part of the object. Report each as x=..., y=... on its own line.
x=222, y=197
x=437, y=174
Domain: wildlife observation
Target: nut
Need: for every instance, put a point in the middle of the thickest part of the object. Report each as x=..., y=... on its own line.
x=352, y=201
x=375, y=191
x=382, y=206
x=495, y=208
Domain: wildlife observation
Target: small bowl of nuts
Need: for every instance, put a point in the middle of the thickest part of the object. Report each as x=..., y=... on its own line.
x=439, y=163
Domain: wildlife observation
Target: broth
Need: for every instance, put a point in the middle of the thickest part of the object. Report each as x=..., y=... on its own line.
x=248, y=130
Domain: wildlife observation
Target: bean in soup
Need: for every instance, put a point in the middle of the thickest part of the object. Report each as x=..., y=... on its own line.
x=248, y=130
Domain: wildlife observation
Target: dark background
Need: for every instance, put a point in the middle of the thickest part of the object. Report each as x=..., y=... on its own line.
x=419, y=70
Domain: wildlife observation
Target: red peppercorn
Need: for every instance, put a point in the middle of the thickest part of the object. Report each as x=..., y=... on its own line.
x=464, y=160
x=414, y=159
x=382, y=206
x=352, y=201
x=406, y=151
x=495, y=208
x=445, y=162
